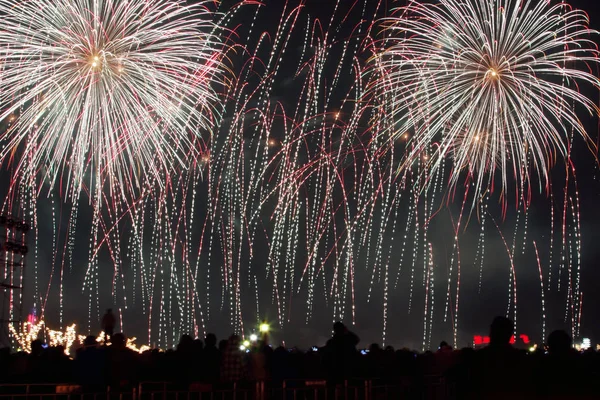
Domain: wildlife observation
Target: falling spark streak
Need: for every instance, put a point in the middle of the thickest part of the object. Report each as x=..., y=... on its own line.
x=513, y=280
x=542, y=289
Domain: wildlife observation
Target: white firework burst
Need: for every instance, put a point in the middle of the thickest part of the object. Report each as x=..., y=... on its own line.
x=96, y=91
x=494, y=84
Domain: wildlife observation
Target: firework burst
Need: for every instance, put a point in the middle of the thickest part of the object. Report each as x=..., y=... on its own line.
x=105, y=90
x=291, y=202
x=493, y=84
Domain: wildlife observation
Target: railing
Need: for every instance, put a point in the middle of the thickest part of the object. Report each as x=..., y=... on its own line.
x=429, y=388
x=62, y=392
x=198, y=391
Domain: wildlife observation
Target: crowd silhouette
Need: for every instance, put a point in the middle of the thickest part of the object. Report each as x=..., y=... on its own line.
x=497, y=371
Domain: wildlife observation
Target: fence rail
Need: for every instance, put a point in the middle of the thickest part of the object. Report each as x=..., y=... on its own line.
x=431, y=388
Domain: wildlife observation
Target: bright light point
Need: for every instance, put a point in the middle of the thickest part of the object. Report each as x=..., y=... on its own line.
x=96, y=58
x=532, y=349
x=493, y=73
x=253, y=337
x=242, y=347
x=246, y=343
x=264, y=328
x=94, y=64
x=476, y=137
x=586, y=344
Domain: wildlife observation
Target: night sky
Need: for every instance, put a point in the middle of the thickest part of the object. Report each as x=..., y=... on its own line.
x=404, y=329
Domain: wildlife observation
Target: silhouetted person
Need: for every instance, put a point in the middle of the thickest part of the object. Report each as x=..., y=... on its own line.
x=281, y=365
x=211, y=357
x=184, y=359
x=562, y=370
x=373, y=364
x=37, y=348
x=257, y=362
x=90, y=365
x=5, y=361
x=232, y=361
x=36, y=363
x=58, y=365
x=108, y=324
x=340, y=354
x=443, y=359
x=185, y=344
x=500, y=369
x=501, y=332
x=222, y=346
x=122, y=363
x=198, y=361
x=197, y=347
x=559, y=343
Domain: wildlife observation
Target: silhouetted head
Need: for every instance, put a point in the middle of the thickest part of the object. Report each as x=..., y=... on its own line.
x=339, y=328
x=501, y=331
x=185, y=343
x=281, y=351
x=374, y=347
x=559, y=342
x=444, y=346
x=36, y=347
x=118, y=340
x=90, y=341
x=210, y=340
x=222, y=345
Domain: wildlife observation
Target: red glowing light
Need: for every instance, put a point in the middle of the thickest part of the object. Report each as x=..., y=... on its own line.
x=479, y=340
